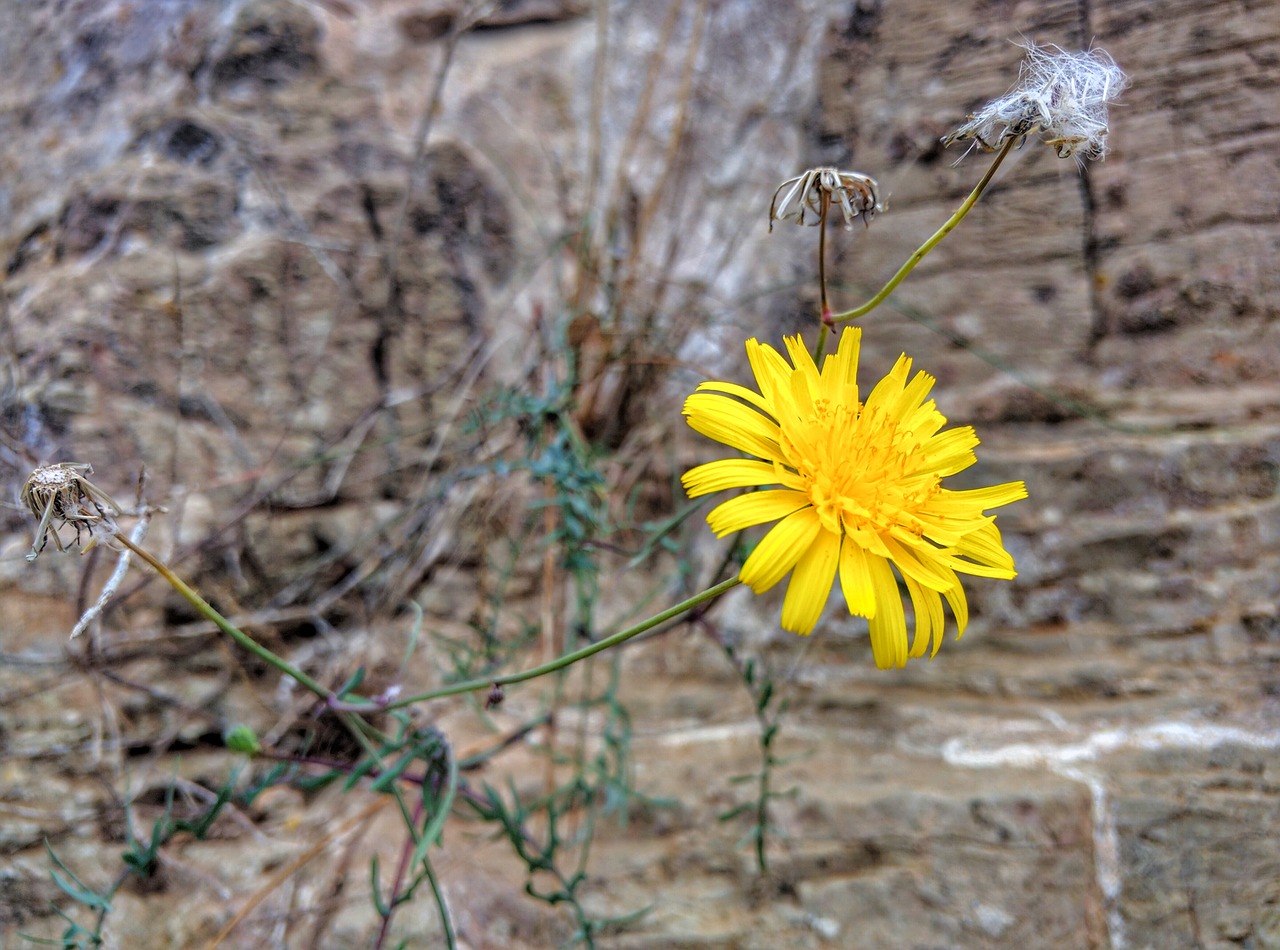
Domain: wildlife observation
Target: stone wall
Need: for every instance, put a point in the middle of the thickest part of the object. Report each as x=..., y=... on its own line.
x=277, y=252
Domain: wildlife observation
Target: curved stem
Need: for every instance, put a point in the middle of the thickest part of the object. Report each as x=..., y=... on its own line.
x=346, y=710
x=360, y=729
x=203, y=607
x=930, y=244
x=570, y=658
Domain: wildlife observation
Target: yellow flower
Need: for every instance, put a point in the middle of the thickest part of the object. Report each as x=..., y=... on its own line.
x=860, y=492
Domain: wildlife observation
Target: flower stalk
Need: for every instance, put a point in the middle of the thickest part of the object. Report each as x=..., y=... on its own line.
x=622, y=636
x=948, y=226
x=206, y=610
x=69, y=505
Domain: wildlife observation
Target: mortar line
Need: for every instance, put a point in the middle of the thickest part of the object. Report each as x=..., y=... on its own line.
x=1066, y=759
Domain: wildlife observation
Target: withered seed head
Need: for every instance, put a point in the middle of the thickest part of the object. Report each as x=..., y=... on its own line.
x=857, y=196
x=1060, y=95
x=61, y=494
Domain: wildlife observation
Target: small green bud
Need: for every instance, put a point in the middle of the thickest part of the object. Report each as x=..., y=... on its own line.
x=242, y=739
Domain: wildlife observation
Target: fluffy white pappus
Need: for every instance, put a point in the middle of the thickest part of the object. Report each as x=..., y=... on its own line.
x=1061, y=96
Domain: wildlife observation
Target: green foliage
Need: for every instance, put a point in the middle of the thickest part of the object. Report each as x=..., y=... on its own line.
x=769, y=718
x=139, y=858
x=544, y=859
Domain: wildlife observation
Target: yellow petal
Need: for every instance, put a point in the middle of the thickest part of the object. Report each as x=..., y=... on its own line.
x=855, y=579
x=889, y=625
x=770, y=369
x=909, y=400
x=801, y=393
x=919, y=564
x=884, y=393
x=749, y=396
x=754, y=508
x=959, y=609
x=811, y=584
x=729, y=421
x=940, y=532
x=981, y=570
x=868, y=540
x=780, y=549
x=984, y=546
x=801, y=360
x=840, y=370
x=924, y=422
x=728, y=473
x=984, y=499
x=930, y=621
x=951, y=451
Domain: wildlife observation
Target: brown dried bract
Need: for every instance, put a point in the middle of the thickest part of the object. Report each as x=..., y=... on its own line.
x=857, y=195
x=61, y=494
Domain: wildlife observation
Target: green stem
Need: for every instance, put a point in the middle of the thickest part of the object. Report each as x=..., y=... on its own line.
x=353, y=722
x=570, y=658
x=930, y=244
x=360, y=730
x=203, y=607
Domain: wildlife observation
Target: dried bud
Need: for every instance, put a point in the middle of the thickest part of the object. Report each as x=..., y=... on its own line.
x=61, y=494
x=857, y=195
x=1062, y=96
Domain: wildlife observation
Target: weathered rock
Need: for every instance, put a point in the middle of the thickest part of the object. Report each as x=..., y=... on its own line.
x=246, y=248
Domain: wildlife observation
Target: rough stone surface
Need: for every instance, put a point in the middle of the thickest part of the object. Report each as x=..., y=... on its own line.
x=248, y=248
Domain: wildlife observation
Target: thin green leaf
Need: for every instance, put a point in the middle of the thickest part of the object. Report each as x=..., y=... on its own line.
x=73, y=886
x=435, y=824
x=392, y=775
x=352, y=684
x=360, y=771
x=766, y=694
x=79, y=893
x=43, y=941
x=375, y=888
x=200, y=828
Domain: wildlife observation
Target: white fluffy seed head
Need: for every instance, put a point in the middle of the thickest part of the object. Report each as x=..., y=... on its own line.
x=1059, y=95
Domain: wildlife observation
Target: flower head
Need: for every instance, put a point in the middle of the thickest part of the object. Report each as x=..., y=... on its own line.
x=857, y=195
x=1063, y=96
x=61, y=494
x=859, y=492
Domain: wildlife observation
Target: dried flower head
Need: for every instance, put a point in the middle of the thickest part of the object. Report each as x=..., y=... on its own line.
x=61, y=494
x=1062, y=96
x=857, y=195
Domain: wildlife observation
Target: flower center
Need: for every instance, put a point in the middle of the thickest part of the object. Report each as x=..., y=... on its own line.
x=861, y=470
